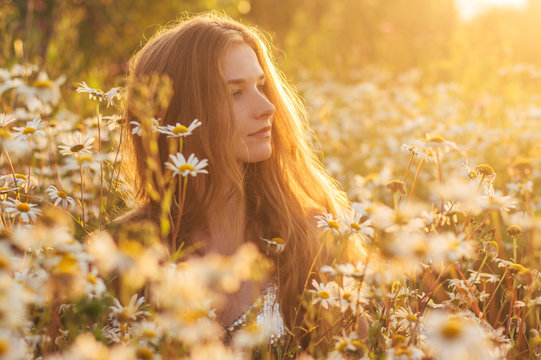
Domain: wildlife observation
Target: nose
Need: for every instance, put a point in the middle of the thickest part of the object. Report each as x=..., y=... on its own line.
x=265, y=108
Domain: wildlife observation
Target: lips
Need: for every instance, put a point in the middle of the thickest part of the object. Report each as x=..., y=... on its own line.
x=264, y=132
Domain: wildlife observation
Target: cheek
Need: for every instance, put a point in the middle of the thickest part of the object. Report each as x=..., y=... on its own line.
x=239, y=121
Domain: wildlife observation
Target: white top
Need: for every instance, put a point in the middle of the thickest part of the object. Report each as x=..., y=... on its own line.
x=264, y=311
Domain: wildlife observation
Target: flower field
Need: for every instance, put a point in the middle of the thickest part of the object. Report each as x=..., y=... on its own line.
x=443, y=235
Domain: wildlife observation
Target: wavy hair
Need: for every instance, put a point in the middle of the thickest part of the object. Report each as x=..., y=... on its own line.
x=278, y=196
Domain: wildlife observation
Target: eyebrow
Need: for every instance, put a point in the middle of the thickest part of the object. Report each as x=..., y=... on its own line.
x=240, y=81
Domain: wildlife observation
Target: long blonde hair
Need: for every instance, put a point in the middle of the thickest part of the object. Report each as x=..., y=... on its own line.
x=280, y=195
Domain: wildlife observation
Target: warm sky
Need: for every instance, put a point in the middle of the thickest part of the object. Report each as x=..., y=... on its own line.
x=469, y=8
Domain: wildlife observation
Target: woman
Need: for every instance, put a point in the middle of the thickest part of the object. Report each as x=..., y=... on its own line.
x=264, y=180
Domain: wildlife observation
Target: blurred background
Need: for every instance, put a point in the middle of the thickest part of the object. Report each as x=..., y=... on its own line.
x=464, y=41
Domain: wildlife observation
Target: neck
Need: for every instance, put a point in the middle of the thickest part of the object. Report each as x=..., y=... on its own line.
x=226, y=226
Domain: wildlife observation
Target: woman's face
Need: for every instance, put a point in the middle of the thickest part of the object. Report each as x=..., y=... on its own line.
x=253, y=112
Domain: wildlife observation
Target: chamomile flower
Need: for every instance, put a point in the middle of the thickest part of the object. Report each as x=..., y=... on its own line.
x=25, y=210
x=133, y=311
x=326, y=294
x=19, y=70
x=6, y=119
x=113, y=121
x=180, y=166
x=351, y=295
x=99, y=95
x=439, y=144
x=179, y=130
x=328, y=221
x=148, y=330
x=60, y=197
x=75, y=144
x=87, y=161
x=495, y=200
x=274, y=246
x=138, y=130
x=353, y=221
x=455, y=336
x=13, y=346
x=350, y=342
x=44, y=90
x=19, y=180
x=33, y=127
x=5, y=190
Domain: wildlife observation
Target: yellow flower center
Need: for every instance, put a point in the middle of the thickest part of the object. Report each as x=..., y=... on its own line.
x=396, y=186
x=4, y=346
x=181, y=129
x=398, y=339
x=4, y=263
x=420, y=250
x=91, y=279
x=514, y=230
x=20, y=176
x=124, y=316
x=23, y=207
x=149, y=333
x=42, y=84
x=67, y=265
x=4, y=133
x=355, y=226
x=185, y=167
x=131, y=248
x=144, y=354
x=324, y=294
x=411, y=318
x=84, y=158
x=516, y=267
x=451, y=329
x=278, y=240
x=29, y=130
x=485, y=169
x=453, y=245
x=402, y=351
x=333, y=225
x=3, y=189
x=77, y=148
x=192, y=315
x=62, y=195
x=436, y=139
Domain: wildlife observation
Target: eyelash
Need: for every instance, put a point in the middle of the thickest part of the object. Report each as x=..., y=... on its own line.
x=237, y=93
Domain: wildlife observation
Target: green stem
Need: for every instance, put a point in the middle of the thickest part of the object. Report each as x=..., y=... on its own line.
x=82, y=190
x=494, y=292
x=182, y=199
x=29, y=168
x=305, y=286
x=101, y=164
x=415, y=178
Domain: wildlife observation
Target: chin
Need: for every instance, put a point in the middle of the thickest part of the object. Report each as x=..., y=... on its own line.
x=261, y=153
